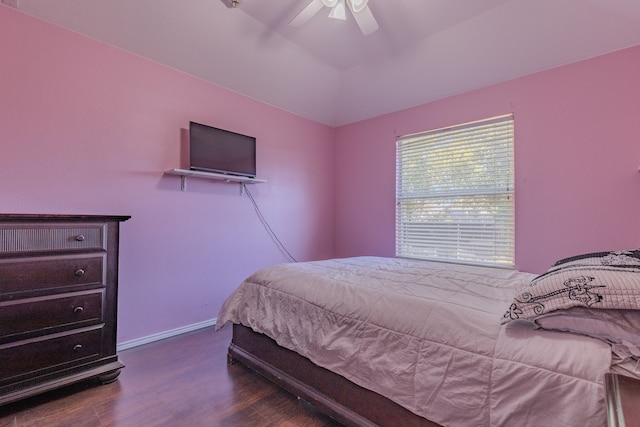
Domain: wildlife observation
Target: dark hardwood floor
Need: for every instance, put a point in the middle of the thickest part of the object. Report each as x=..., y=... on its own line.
x=180, y=381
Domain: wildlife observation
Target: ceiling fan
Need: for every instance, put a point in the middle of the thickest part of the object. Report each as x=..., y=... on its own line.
x=359, y=9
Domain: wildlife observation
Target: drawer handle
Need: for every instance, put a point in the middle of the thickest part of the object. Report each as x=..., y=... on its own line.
x=79, y=272
x=77, y=347
x=78, y=310
x=80, y=237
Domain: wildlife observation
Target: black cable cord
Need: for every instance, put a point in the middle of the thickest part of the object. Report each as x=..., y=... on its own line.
x=267, y=227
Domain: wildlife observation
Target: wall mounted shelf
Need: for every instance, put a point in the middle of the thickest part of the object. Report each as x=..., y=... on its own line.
x=185, y=173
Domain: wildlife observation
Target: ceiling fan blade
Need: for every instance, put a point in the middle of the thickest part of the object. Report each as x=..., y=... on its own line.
x=365, y=20
x=307, y=13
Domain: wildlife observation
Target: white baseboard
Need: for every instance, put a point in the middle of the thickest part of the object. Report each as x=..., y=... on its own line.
x=166, y=334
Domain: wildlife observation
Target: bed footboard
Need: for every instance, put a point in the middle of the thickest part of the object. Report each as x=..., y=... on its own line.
x=330, y=393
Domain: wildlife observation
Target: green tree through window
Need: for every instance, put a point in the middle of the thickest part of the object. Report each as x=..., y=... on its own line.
x=455, y=194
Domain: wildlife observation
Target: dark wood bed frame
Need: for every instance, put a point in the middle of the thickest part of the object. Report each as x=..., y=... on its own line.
x=330, y=393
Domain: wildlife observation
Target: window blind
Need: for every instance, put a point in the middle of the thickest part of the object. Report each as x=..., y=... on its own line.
x=455, y=194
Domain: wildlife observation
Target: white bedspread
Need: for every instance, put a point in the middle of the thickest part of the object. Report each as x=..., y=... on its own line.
x=428, y=336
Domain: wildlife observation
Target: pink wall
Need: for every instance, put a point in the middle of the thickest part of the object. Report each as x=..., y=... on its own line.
x=577, y=152
x=87, y=128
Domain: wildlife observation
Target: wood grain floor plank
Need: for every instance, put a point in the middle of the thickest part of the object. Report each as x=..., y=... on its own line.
x=179, y=381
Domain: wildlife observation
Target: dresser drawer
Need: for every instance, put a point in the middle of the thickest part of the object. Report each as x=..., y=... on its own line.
x=41, y=314
x=58, y=301
x=21, y=238
x=33, y=275
x=49, y=352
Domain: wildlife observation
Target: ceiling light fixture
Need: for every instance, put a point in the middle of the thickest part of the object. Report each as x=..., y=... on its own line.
x=338, y=11
x=232, y=3
x=358, y=5
x=359, y=9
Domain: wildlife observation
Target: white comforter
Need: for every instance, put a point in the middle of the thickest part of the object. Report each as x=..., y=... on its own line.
x=428, y=336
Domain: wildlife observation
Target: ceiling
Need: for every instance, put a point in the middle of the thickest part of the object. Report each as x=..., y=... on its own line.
x=327, y=71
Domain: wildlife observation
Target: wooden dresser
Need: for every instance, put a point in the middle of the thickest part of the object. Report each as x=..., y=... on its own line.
x=58, y=301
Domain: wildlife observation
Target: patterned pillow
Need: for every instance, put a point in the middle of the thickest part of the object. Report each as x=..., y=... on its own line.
x=602, y=280
x=627, y=258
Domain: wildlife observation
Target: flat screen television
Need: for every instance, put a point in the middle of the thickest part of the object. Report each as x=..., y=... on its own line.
x=221, y=151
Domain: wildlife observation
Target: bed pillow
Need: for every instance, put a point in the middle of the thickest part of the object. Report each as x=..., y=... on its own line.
x=601, y=280
x=612, y=326
x=628, y=258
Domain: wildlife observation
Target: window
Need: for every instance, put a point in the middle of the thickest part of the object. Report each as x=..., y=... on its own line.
x=455, y=194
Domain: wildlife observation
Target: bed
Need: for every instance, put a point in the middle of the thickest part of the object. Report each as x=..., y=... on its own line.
x=387, y=341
